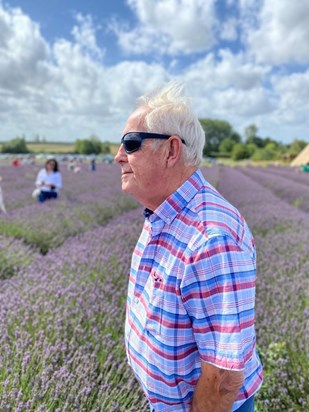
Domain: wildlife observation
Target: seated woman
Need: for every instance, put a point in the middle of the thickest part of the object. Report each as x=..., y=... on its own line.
x=49, y=181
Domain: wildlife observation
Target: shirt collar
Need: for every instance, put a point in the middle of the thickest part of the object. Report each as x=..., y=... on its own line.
x=147, y=212
x=169, y=209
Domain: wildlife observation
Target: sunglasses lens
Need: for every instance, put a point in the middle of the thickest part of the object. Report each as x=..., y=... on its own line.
x=132, y=143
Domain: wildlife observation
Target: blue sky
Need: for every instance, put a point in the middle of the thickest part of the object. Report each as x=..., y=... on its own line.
x=69, y=69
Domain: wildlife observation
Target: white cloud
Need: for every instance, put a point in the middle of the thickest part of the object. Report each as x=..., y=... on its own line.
x=233, y=89
x=227, y=70
x=169, y=27
x=294, y=103
x=228, y=30
x=230, y=88
x=23, y=51
x=65, y=90
x=282, y=32
x=242, y=103
x=85, y=35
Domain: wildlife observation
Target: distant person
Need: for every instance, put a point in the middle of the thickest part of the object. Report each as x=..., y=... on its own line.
x=49, y=181
x=93, y=165
x=304, y=168
x=71, y=164
x=15, y=162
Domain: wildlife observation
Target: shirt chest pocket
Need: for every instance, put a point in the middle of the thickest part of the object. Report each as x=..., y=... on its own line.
x=155, y=307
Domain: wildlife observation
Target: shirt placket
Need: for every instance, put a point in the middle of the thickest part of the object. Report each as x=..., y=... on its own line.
x=154, y=229
x=141, y=278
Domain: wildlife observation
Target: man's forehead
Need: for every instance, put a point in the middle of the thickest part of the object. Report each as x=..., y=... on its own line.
x=136, y=121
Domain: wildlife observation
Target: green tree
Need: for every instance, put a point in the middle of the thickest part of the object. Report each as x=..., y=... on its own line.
x=88, y=146
x=251, y=136
x=216, y=131
x=270, y=140
x=96, y=144
x=105, y=148
x=271, y=151
x=226, y=145
x=236, y=137
x=251, y=131
x=296, y=147
x=17, y=145
x=240, y=151
x=262, y=154
x=251, y=147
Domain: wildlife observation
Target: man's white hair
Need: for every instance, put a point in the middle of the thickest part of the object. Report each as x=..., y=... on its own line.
x=168, y=112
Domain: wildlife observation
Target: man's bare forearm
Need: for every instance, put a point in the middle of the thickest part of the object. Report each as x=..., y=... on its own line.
x=216, y=389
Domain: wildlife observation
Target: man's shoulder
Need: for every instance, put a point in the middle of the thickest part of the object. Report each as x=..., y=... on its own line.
x=215, y=216
x=210, y=205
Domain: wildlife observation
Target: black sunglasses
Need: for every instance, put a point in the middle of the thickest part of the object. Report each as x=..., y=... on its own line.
x=132, y=141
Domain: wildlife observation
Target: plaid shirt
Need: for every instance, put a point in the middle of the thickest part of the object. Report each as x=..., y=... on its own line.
x=191, y=297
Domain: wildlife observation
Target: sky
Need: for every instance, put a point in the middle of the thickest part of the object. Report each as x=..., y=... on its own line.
x=70, y=69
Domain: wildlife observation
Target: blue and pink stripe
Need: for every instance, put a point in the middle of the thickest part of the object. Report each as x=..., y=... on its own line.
x=191, y=297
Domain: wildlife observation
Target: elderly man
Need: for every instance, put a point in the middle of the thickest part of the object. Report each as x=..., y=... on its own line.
x=189, y=333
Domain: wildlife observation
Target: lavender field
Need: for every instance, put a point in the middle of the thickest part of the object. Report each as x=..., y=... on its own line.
x=63, y=277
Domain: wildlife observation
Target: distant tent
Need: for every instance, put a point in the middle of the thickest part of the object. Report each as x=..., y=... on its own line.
x=303, y=157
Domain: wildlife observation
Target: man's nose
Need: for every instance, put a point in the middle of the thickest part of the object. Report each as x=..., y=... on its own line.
x=121, y=155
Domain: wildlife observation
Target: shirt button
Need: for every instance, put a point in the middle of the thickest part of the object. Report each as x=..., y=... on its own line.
x=136, y=300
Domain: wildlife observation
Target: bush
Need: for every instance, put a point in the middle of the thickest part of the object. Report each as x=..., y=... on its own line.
x=240, y=151
x=105, y=148
x=226, y=146
x=88, y=146
x=296, y=147
x=17, y=145
x=269, y=152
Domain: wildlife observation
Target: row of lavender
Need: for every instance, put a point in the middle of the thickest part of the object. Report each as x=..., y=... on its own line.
x=61, y=317
x=281, y=234
x=88, y=199
x=285, y=183
x=294, y=174
x=61, y=326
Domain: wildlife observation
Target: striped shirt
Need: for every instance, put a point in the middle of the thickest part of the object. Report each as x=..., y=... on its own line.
x=191, y=297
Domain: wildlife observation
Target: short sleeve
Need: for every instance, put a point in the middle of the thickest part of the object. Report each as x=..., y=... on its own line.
x=59, y=181
x=40, y=177
x=218, y=292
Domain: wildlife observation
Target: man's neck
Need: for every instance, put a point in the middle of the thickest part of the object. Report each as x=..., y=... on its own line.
x=172, y=183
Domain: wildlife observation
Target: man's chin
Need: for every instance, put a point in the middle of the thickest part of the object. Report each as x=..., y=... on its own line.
x=125, y=187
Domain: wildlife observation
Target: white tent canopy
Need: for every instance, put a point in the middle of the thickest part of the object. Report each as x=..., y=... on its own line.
x=303, y=157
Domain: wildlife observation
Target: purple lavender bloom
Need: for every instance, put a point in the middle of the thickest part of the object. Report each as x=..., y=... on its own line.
x=62, y=312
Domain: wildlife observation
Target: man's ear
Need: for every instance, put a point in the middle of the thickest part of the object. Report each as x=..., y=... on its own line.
x=174, y=150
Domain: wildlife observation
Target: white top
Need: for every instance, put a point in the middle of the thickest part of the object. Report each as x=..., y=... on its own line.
x=53, y=178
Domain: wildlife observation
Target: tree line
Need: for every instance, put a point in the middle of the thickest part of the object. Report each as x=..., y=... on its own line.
x=89, y=146
x=223, y=141
x=220, y=137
